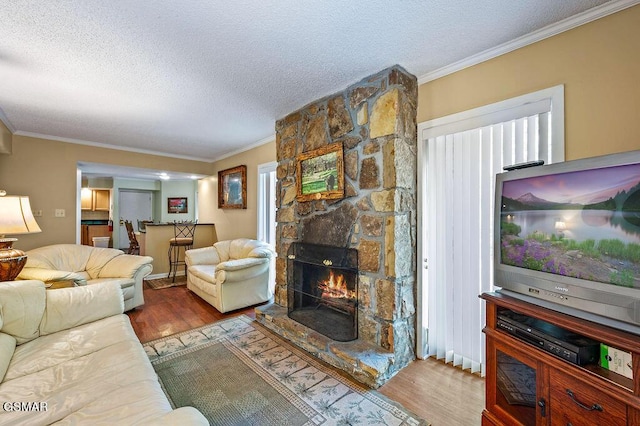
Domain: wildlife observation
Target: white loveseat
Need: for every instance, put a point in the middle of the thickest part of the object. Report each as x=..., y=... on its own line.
x=88, y=265
x=231, y=274
x=69, y=356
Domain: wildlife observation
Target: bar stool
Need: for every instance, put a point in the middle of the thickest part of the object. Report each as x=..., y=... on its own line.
x=183, y=237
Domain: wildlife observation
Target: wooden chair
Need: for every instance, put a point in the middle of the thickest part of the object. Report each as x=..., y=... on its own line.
x=134, y=247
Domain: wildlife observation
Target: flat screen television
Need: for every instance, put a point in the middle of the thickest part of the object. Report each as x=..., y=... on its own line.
x=567, y=236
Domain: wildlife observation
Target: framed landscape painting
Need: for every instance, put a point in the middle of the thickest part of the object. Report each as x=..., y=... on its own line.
x=320, y=173
x=232, y=188
x=177, y=205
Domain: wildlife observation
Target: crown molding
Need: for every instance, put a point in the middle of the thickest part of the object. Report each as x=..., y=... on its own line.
x=538, y=35
x=6, y=122
x=247, y=148
x=108, y=146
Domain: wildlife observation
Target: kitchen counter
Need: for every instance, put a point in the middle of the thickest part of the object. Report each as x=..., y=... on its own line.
x=155, y=243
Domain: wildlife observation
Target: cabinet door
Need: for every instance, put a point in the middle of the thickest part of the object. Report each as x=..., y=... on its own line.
x=517, y=381
x=85, y=235
x=101, y=199
x=573, y=402
x=86, y=199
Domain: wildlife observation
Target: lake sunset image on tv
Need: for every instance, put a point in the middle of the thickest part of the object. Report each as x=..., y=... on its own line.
x=583, y=224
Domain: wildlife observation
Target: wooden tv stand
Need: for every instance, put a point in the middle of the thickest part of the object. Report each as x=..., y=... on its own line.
x=526, y=385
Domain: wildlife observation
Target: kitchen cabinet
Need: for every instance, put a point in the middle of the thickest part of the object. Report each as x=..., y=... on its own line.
x=95, y=199
x=530, y=380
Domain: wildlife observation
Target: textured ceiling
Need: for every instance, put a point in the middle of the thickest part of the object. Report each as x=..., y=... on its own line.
x=203, y=78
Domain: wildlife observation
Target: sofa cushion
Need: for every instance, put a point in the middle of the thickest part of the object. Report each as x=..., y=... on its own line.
x=7, y=348
x=57, y=348
x=115, y=384
x=22, y=306
x=87, y=304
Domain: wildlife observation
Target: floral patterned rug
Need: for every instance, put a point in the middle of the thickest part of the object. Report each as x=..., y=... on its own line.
x=237, y=372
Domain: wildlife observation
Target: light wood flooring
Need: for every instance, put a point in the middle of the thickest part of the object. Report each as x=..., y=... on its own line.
x=442, y=394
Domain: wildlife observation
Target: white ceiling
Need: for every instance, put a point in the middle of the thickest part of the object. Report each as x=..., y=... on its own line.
x=201, y=79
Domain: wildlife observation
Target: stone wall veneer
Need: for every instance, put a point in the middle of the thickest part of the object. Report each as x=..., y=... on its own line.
x=375, y=119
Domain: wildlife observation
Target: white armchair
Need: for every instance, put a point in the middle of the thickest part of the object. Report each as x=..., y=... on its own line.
x=231, y=274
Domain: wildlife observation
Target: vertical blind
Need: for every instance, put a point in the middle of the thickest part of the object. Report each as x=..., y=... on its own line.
x=459, y=197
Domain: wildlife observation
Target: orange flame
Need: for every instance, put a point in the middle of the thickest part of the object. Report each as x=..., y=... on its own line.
x=336, y=287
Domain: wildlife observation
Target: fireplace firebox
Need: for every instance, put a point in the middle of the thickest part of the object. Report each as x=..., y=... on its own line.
x=322, y=289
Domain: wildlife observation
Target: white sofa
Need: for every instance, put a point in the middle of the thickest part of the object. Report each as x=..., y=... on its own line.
x=88, y=265
x=69, y=356
x=231, y=274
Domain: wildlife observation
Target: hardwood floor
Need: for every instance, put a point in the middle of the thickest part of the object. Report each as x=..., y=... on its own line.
x=437, y=392
x=172, y=310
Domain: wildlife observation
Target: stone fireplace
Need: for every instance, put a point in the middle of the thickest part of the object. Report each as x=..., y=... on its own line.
x=375, y=121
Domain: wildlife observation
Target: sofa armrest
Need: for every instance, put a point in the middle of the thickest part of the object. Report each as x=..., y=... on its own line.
x=238, y=264
x=180, y=416
x=241, y=269
x=261, y=251
x=70, y=307
x=124, y=266
x=202, y=256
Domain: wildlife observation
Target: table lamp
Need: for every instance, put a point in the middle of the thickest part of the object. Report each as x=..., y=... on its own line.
x=15, y=218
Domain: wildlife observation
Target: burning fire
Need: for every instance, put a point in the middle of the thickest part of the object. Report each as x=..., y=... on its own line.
x=336, y=287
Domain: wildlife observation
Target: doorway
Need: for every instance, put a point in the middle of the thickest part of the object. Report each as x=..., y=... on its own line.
x=133, y=205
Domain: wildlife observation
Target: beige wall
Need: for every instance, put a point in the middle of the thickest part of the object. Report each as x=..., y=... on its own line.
x=45, y=170
x=234, y=223
x=599, y=64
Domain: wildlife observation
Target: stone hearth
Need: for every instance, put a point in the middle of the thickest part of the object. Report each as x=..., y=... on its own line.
x=375, y=120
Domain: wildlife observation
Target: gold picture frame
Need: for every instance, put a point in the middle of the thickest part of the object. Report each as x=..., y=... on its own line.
x=232, y=188
x=320, y=173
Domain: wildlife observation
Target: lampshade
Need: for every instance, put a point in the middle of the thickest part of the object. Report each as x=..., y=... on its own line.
x=15, y=218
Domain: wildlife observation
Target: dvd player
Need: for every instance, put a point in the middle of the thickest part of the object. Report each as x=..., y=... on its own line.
x=570, y=346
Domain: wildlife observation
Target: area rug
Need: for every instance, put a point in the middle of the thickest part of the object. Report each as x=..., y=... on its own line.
x=238, y=373
x=159, y=283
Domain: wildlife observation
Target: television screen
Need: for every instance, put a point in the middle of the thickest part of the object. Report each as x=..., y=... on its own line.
x=583, y=224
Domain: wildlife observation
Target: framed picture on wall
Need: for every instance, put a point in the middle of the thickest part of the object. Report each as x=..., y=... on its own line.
x=232, y=188
x=320, y=173
x=177, y=205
